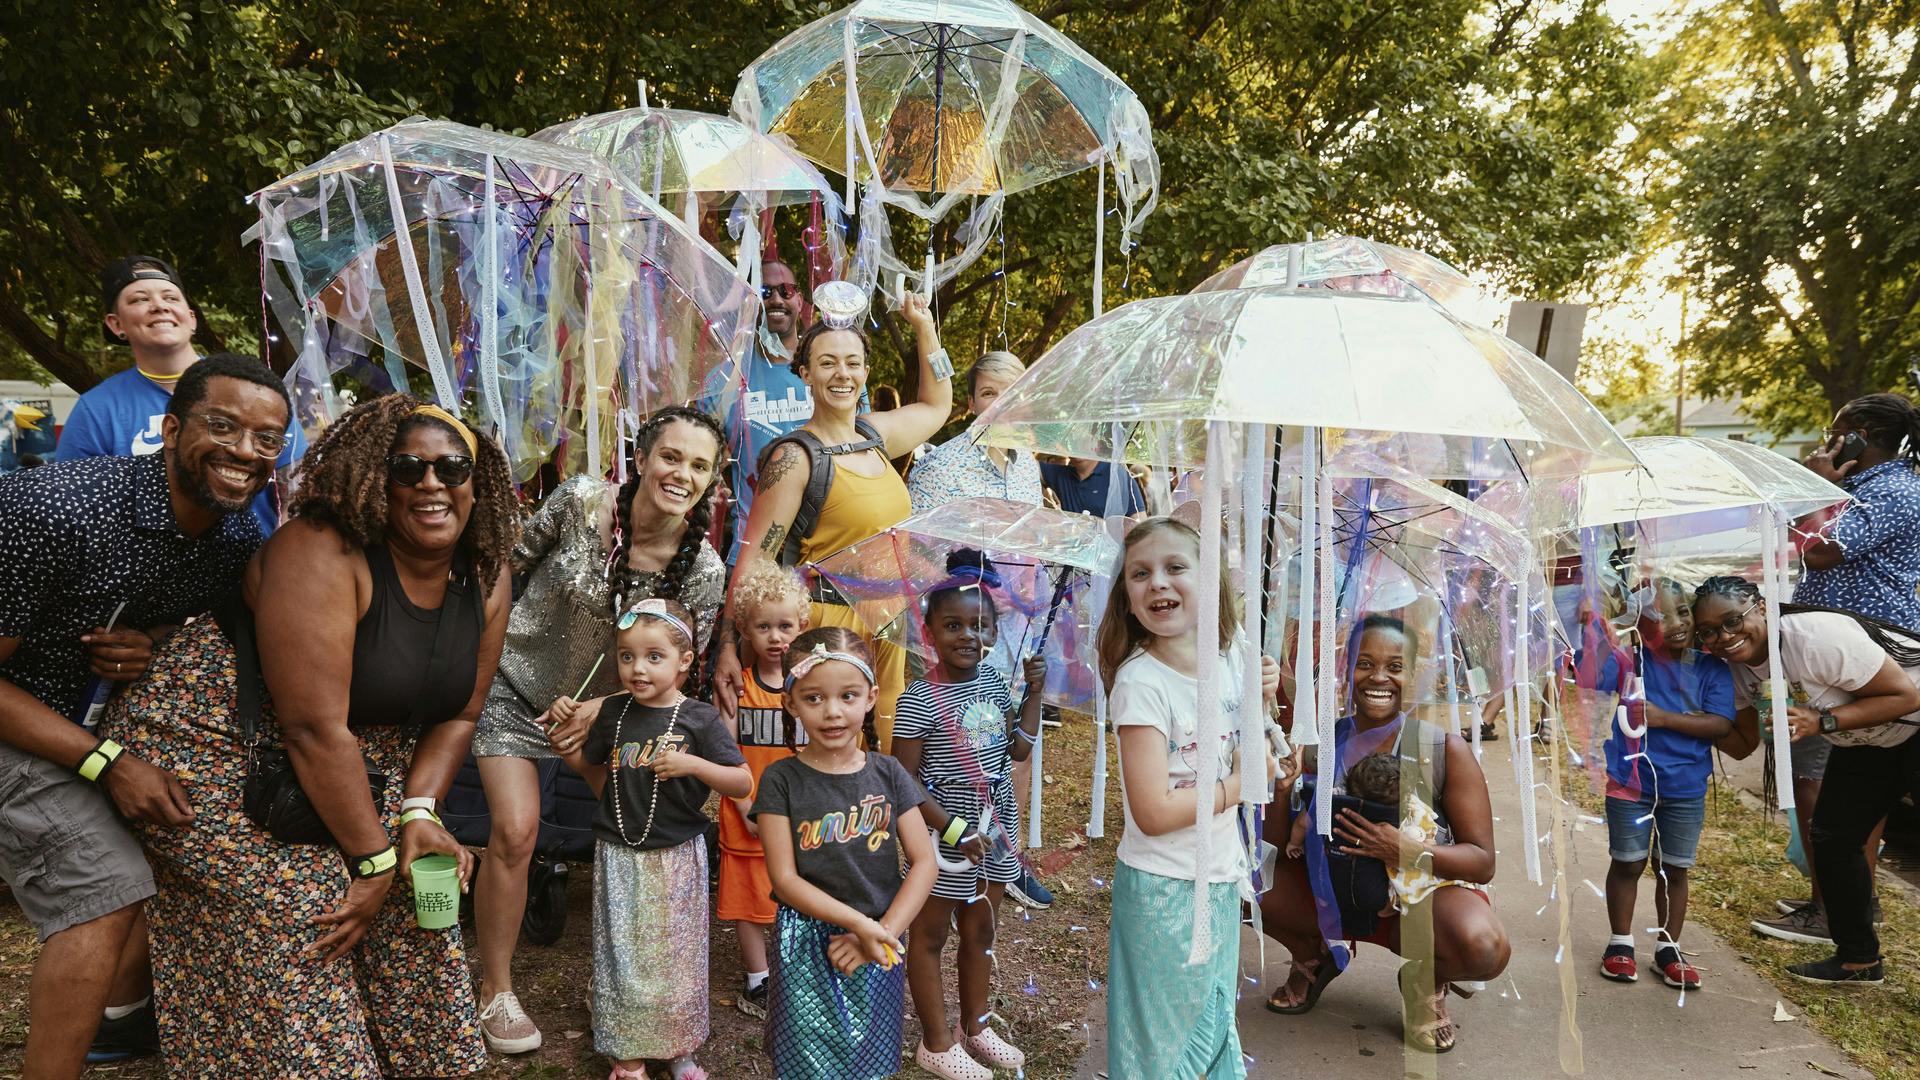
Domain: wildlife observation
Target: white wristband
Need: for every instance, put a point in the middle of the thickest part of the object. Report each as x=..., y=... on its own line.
x=941, y=365
x=419, y=802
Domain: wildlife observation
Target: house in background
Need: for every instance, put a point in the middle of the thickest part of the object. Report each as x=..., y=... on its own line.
x=1723, y=418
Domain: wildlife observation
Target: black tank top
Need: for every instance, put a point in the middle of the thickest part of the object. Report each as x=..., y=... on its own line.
x=413, y=665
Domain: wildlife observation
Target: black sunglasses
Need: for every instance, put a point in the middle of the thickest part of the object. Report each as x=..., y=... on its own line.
x=785, y=290
x=409, y=469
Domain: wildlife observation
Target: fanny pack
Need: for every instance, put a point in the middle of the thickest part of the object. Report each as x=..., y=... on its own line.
x=272, y=797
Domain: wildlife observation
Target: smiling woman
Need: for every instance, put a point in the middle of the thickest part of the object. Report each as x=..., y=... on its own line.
x=591, y=552
x=378, y=614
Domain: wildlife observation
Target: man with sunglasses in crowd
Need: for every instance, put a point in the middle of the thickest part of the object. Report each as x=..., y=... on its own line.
x=146, y=309
x=141, y=543
x=771, y=401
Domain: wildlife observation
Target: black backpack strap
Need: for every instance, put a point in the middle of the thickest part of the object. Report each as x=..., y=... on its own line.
x=819, y=477
x=235, y=620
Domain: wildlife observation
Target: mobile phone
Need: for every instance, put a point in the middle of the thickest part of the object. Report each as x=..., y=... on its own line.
x=1851, y=448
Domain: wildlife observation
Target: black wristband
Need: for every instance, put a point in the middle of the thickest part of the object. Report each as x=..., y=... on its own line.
x=380, y=862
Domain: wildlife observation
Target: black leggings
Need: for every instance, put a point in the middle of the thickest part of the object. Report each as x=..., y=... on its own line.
x=1862, y=784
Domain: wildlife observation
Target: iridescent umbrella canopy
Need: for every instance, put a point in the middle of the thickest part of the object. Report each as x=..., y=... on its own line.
x=956, y=98
x=663, y=151
x=542, y=295
x=1356, y=264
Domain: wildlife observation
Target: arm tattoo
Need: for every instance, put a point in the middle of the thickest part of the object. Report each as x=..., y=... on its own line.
x=771, y=542
x=779, y=467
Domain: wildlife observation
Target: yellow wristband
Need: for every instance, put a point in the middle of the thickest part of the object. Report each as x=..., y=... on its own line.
x=99, y=760
x=419, y=813
x=373, y=865
x=956, y=827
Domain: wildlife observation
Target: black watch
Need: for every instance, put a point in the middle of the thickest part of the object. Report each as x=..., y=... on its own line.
x=1829, y=723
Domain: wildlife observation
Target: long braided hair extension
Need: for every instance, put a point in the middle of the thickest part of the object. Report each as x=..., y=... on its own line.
x=1891, y=421
x=343, y=483
x=673, y=579
x=1901, y=644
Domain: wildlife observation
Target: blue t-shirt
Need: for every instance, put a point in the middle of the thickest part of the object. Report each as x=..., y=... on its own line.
x=121, y=418
x=1089, y=496
x=1682, y=764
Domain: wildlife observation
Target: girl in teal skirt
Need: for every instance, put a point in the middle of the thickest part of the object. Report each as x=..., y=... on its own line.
x=1168, y=1019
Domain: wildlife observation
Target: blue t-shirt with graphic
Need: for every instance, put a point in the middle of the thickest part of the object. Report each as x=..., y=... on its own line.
x=121, y=417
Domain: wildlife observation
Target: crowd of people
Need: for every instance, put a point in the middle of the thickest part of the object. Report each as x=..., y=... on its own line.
x=230, y=711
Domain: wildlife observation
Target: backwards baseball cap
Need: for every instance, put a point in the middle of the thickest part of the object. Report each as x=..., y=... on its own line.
x=123, y=272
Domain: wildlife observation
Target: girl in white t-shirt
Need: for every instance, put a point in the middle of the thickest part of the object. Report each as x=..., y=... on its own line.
x=1855, y=682
x=1167, y=1020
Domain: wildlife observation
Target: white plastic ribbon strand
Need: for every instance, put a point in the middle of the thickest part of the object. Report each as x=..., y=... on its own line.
x=1206, y=722
x=1037, y=780
x=490, y=315
x=416, y=291
x=1097, y=817
x=1255, y=786
x=1523, y=746
x=1773, y=525
x=1306, y=725
x=1328, y=708
x=1099, y=237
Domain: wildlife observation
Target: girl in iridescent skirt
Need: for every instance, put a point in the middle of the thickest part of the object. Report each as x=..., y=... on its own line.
x=833, y=819
x=653, y=754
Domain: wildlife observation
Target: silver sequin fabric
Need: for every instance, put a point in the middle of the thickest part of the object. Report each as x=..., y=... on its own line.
x=563, y=621
x=649, y=950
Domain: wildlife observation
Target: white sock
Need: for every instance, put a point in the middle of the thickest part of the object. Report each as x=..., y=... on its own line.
x=115, y=1012
x=1621, y=939
x=755, y=978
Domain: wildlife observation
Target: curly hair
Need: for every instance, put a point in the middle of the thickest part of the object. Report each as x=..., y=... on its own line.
x=836, y=639
x=343, y=483
x=767, y=582
x=1902, y=644
x=803, y=352
x=1375, y=778
x=673, y=579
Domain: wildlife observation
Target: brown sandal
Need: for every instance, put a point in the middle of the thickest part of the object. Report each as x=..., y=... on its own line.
x=1320, y=974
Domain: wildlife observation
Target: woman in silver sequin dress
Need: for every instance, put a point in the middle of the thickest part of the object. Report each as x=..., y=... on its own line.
x=589, y=553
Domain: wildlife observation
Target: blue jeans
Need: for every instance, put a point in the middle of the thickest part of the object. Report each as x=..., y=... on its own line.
x=1635, y=826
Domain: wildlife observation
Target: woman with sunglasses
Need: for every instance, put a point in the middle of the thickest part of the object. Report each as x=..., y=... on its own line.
x=378, y=613
x=1854, y=681
x=591, y=552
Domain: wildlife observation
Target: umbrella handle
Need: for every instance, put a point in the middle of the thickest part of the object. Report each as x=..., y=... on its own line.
x=962, y=865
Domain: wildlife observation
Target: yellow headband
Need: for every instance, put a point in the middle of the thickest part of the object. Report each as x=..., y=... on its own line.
x=452, y=421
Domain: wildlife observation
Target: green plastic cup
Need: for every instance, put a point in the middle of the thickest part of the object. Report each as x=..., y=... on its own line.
x=436, y=891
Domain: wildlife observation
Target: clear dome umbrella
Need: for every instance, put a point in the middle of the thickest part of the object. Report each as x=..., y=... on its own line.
x=1356, y=264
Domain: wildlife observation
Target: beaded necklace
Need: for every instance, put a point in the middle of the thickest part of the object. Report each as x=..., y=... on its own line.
x=653, y=803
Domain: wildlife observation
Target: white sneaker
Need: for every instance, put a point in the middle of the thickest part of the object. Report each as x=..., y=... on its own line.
x=506, y=1026
x=995, y=1051
x=953, y=1063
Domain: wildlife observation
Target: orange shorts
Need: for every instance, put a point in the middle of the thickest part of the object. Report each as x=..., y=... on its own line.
x=746, y=893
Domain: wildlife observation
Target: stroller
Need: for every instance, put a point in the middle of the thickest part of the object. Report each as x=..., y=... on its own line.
x=566, y=836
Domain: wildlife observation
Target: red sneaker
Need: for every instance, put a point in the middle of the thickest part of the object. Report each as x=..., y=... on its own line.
x=1675, y=971
x=1618, y=964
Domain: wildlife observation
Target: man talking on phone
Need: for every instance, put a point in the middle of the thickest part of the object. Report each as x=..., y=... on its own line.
x=1867, y=561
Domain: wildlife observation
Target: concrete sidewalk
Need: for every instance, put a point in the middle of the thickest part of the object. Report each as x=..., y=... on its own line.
x=1516, y=1027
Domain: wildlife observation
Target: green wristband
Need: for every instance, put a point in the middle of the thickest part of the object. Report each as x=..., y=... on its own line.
x=99, y=760
x=380, y=862
x=956, y=828
x=419, y=813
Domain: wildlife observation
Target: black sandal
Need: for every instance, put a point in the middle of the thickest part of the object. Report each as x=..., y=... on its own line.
x=1323, y=973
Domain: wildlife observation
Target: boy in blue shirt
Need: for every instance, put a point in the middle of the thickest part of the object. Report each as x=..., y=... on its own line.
x=147, y=310
x=1659, y=760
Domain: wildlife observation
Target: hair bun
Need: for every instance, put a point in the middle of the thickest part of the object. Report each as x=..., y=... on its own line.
x=971, y=562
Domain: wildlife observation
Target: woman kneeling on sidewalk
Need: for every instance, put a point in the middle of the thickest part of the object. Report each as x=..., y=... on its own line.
x=1854, y=681
x=1467, y=943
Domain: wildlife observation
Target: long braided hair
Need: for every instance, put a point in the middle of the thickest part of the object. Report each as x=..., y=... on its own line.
x=1891, y=422
x=343, y=482
x=1898, y=642
x=674, y=578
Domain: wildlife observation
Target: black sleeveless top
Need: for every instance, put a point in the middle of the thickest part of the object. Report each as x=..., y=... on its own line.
x=414, y=666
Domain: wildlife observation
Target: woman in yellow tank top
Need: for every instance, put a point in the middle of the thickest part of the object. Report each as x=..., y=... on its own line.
x=867, y=496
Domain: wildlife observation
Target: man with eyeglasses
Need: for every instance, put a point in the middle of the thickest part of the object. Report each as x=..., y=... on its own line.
x=98, y=558
x=147, y=310
x=771, y=401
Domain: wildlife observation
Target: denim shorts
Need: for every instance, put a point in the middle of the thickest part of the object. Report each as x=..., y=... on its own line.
x=1632, y=825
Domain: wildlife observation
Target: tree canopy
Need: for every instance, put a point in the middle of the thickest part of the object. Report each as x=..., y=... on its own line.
x=1485, y=131
x=1786, y=151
